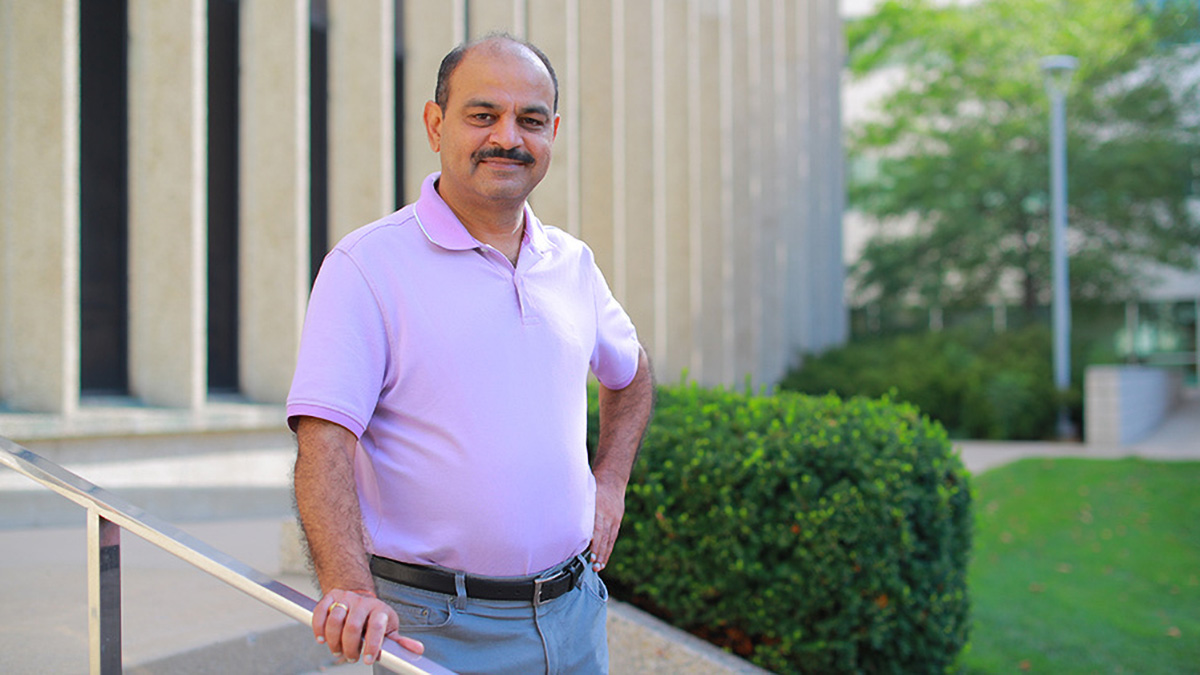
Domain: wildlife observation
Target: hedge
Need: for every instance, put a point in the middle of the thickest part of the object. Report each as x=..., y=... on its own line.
x=977, y=385
x=807, y=534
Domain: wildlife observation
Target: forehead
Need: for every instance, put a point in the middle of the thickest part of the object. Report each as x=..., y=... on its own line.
x=501, y=68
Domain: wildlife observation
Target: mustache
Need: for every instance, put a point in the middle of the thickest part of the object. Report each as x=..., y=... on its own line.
x=514, y=154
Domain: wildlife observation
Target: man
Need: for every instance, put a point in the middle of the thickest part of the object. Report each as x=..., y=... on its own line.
x=439, y=402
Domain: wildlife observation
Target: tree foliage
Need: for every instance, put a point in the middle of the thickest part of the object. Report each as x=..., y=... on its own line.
x=958, y=155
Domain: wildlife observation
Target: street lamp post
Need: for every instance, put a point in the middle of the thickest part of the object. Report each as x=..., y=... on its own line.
x=1058, y=71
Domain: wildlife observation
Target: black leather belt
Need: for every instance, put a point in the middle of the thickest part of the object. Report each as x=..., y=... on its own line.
x=535, y=591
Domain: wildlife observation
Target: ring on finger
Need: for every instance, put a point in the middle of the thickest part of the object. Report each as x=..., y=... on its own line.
x=340, y=604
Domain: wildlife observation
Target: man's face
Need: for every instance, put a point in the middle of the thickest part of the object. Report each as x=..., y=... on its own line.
x=496, y=133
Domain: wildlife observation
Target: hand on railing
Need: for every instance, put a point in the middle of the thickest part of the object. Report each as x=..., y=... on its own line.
x=354, y=624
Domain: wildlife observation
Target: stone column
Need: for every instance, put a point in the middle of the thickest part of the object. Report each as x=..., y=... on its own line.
x=431, y=30
x=598, y=134
x=746, y=186
x=711, y=190
x=554, y=28
x=274, y=206
x=362, y=161
x=839, y=319
x=787, y=175
x=167, y=201
x=771, y=247
x=489, y=16
x=639, y=225
x=697, y=78
x=829, y=287
x=800, y=261
x=673, y=118
x=39, y=205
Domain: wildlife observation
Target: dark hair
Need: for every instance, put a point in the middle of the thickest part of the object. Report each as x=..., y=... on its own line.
x=450, y=63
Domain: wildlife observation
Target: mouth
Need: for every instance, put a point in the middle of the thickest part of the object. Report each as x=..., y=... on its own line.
x=501, y=162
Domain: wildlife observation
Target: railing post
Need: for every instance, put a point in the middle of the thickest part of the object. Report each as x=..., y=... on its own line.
x=104, y=594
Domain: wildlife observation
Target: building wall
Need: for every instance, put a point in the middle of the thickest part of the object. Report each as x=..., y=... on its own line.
x=699, y=155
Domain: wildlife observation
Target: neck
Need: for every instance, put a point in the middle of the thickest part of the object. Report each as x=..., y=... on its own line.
x=501, y=231
x=500, y=226
x=491, y=227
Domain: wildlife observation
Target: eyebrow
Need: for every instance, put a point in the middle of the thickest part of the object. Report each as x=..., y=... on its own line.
x=489, y=105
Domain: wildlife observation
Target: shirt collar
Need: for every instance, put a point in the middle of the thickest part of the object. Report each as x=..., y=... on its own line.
x=444, y=229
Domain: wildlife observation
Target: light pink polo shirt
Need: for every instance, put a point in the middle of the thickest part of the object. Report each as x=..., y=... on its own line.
x=465, y=381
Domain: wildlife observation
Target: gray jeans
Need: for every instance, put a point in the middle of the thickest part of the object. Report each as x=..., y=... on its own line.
x=467, y=635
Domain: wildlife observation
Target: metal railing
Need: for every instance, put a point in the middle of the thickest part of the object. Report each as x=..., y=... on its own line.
x=108, y=514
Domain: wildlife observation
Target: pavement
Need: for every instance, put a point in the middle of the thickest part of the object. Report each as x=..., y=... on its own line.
x=1176, y=439
x=177, y=619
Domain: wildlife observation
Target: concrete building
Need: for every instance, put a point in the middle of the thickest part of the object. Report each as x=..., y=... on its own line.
x=171, y=171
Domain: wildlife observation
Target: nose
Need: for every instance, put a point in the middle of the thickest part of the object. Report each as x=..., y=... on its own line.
x=505, y=133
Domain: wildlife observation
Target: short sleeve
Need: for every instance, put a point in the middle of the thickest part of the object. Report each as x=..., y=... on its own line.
x=343, y=349
x=615, y=357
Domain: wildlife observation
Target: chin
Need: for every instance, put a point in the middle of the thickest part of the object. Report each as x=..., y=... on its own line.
x=518, y=187
x=508, y=195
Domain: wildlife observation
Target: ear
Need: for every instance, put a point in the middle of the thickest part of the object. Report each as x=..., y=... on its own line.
x=433, y=125
x=554, y=135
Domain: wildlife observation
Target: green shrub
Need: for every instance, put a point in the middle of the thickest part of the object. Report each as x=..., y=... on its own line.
x=808, y=534
x=978, y=385
x=1016, y=398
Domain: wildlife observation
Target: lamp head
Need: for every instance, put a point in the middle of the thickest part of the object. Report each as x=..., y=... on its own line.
x=1059, y=65
x=1058, y=71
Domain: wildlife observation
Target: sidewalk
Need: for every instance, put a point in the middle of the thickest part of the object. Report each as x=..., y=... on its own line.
x=1178, y=439
x=168, y=607
x=176, y=619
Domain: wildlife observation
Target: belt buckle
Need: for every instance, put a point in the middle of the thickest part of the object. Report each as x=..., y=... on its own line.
x=537, y=592
x=540, y=582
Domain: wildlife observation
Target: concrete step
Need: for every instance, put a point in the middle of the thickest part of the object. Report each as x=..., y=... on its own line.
x=177, y=477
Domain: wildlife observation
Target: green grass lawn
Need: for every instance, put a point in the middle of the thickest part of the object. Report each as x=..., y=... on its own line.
x=1086, y=566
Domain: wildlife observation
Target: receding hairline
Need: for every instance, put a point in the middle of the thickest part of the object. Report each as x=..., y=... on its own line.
x=453, y=59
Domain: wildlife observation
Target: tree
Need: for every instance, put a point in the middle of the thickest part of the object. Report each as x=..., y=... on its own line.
x=958, y=155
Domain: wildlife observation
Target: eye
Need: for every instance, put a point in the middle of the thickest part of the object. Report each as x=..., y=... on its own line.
x=482, y=117
x=533, y=122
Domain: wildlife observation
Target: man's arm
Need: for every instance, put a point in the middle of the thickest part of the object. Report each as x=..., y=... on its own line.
x=349, y=618
x=624, y=414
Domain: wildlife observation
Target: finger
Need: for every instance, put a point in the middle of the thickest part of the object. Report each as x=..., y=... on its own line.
x=352, y=631
x=601, y=559
x=605, y=528
x=320, y=612
x=597, y=549
x=599, y=537
x=377, y=624
x=335, y=621
x=414, y=646
x=598, y=556
x=602, y=546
